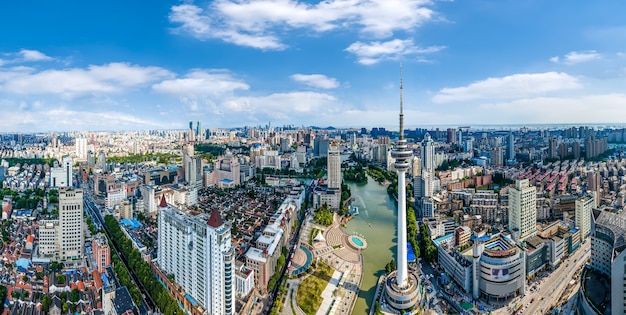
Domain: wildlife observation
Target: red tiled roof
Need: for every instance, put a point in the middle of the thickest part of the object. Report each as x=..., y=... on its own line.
x=97, y=279
x=215, y=219
x=163, y=203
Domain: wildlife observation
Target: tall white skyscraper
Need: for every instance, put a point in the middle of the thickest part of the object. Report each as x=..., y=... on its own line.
x=197, y=250
x=334, y=167
x=401, y=286
x=583, y=215
x=72, y=237
x=81, y=148
x=428, y=154
x=522, y=210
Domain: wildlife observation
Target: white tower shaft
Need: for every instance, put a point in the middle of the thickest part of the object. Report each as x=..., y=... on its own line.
x=402, y=265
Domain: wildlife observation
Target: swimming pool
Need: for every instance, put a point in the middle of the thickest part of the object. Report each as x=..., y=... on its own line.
x=357, y=241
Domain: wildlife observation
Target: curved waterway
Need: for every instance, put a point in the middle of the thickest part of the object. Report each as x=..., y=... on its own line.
x=377, y=223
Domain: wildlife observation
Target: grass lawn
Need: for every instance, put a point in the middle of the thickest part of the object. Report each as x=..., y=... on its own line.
x=310, y=290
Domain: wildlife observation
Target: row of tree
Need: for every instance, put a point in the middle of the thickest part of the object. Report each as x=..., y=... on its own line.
x=380, y=174
x=159, y=294
x=426, y=244
x=36, y=161
x=163, y=158
x=355, y=174
x=3, y=297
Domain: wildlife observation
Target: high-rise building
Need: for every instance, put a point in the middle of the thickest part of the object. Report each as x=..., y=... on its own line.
x=101, y=253
x=428, y=154
x=61, y=175
x=102, y=161
x=334, y=167
x=496, y=156
x=608, y=255
x=583, y=215
x=81, y=148
x=511, y=147
x=197, y=251
x=72, y=237
x=451, y=138
x=522, y=210
x=401, y=285
x=552, y=151
x=199, y=136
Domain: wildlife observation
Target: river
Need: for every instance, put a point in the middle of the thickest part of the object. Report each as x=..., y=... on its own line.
x=377, y=223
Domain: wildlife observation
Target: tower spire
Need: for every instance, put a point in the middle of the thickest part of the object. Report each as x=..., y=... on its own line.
x=401, y=105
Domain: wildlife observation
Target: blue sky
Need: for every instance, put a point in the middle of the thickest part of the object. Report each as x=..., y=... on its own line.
x=158, y=64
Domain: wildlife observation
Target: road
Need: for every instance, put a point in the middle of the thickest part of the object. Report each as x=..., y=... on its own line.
x=95, y=213
x=294, y=240
x=552, y=286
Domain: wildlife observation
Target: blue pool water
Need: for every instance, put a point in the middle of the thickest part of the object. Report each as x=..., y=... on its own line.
x=357, y=241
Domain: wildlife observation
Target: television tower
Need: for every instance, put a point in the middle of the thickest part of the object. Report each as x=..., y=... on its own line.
x=401, y=285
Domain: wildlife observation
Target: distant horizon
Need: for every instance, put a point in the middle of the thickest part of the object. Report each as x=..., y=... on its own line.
x=443, y=127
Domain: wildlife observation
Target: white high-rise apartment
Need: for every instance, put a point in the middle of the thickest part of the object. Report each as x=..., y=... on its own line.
x=61, y=176
x=81, y=148
x=522, y=210
x=197, y=251
x=428, y=154
x=583, y=215
x=334, y=167
x=72, y=237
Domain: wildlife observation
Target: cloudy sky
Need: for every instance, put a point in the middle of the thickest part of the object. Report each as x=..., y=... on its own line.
x=145, y=64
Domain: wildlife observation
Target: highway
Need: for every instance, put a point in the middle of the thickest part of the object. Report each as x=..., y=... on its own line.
x=551, y=288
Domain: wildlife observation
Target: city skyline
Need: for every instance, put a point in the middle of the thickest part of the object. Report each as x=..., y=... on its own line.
x=234, y=63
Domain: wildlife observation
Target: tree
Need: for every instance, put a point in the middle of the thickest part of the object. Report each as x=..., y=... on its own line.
x=74, y=295
x=3, y=296
x=45, y=303
x=60, y=279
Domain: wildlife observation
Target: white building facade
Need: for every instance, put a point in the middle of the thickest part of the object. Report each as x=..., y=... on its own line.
x=197, y=250
x=522, y=210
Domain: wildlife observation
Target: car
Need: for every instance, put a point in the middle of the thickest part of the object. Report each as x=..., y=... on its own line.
x=532, y=300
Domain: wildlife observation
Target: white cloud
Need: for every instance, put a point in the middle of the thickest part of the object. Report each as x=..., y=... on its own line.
x=68, y=83
x=575, y=57
x=24, y=55
x=256, y=23
x=373, y=52
x=50, y=116
x=594, y=108
x=316, y=80
x=201, y=82
x=283, y=105
x=513, y=86
x=33, y=55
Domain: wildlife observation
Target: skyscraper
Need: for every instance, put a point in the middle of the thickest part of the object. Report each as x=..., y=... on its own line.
x=511, y=147
x=334, y=167
x=522, y=210
x=452, y=136
x=428, y=154
x=583, y=215
x=401, y=284
x=81, y=148
x=72, y=237
x=197, y=250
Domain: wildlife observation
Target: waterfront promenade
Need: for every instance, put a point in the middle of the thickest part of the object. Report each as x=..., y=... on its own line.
x=336, y=252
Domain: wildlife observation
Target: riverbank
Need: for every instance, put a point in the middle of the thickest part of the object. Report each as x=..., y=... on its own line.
x=376, y=222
